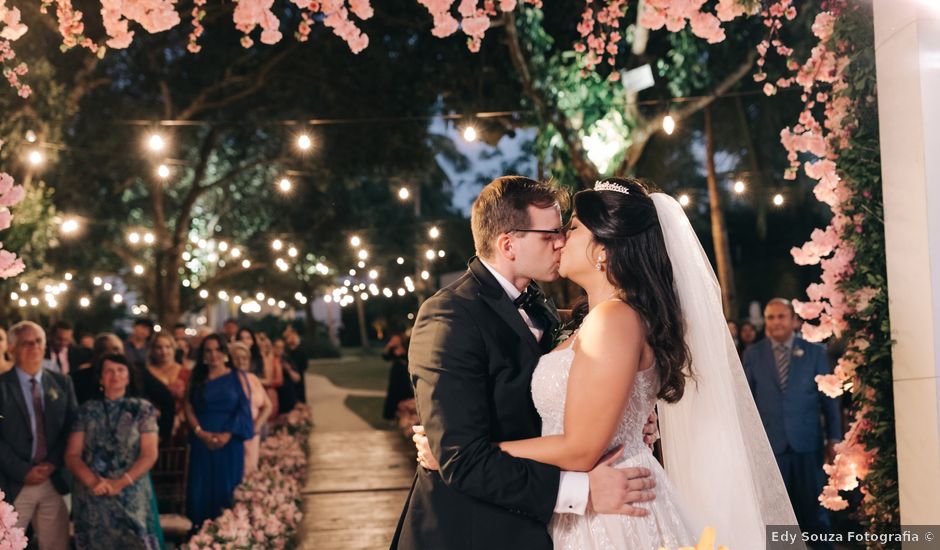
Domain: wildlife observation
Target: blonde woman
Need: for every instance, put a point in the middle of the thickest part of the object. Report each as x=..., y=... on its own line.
x=260, y=404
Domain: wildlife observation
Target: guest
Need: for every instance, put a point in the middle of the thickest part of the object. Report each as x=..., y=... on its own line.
x=219, y=412
x=735, y=333
x=6, y=362
x=781, y=370
x=171, y=379
x=112, y=448
x=230, y=330
x=138, y=343
x=260, y=404
x=273, y=370
x=87, y=342
x=179, y=333
x=298, y=358
x=37, y=407
x=86, y=385
x=747, y=335
x=247, y=336
x=185, y=350
x=287, y=393
x=62, y=354
x=399, y=383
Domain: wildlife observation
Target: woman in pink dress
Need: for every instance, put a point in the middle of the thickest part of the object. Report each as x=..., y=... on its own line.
x=260, y=404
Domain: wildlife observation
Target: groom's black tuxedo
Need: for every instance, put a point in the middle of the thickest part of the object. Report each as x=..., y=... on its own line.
x=471, y=361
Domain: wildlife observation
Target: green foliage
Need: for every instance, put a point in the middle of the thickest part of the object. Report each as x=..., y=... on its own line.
x=860, y=167
x=683, y=67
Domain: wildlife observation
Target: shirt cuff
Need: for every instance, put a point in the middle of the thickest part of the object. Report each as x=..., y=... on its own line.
x=573, y=491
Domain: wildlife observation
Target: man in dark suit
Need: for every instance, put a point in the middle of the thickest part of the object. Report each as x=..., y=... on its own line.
x=781, y=370
x=474, y=347
x=37, y=407
x=62, y=355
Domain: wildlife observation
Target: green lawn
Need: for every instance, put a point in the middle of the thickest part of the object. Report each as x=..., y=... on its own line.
x=370, y=410
x=354, y=370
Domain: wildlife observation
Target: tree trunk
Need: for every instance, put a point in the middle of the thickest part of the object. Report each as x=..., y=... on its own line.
x=719, y=229
x=361, y=314
x=757, y=183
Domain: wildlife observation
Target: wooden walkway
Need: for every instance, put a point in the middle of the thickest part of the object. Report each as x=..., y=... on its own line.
x=357, y=482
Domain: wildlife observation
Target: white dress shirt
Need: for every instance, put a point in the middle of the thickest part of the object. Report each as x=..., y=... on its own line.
x=573, y=487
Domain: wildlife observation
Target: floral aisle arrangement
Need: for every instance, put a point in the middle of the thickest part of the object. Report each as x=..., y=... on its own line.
x=266, y=512
x=11, y=536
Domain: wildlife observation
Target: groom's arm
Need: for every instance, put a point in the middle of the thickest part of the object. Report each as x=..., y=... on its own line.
x=449, y=366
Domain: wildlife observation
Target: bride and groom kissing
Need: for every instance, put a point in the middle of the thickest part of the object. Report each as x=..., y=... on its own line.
x=529, y=443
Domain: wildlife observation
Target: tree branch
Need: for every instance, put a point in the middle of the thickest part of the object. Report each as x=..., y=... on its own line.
x=648, y=126
x=205, y=153
x=204, y=102
x=586, y=171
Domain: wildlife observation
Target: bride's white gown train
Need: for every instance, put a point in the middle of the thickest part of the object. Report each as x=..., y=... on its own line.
x=667, y=524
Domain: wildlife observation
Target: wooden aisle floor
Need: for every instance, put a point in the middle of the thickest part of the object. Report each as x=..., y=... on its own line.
x=357, y=482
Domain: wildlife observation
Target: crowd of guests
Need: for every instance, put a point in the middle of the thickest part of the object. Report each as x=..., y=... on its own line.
x=92, y=420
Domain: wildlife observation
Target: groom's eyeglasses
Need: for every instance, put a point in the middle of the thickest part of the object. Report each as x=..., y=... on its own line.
x=552, y=234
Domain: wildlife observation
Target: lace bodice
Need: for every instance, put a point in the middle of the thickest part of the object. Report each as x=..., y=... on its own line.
x=549, y=390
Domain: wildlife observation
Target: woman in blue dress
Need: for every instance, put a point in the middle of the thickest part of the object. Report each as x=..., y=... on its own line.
x=112, y=447
x=218, y=410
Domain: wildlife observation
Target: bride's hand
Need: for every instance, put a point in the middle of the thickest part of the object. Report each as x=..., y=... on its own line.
x=425, y=457
x=651, y=430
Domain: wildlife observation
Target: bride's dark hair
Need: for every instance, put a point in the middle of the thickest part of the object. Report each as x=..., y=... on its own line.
x=627, y=226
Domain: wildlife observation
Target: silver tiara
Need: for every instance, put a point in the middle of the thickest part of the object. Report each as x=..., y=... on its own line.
x=607, y=186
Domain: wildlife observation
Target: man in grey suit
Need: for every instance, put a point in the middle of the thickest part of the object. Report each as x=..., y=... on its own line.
x=781, y=370
x=37, y=407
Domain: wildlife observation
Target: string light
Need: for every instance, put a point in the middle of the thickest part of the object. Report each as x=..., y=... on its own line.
x=138, y=269
x=276, y=244
x=70, y=226
x=401, y=292
x=203, y=294
x=292, y=252
x=236, y=253
x=434, y=232
x=107, y=286
x=684, y=200
x=284, y=185
x=669, y=124
x=246, y=264
x=133, y=237
x=430, y=254
x=363, y=254
x=223, y=246
x=118, y=299
x=304, y=142
x=84, y=302
x=739, y=187
x=400, y=261
x=355, y=241
x=441, y=253
x=470, y=134
x=96, y=281
x=778, y=200
x=31, y=136
x=35, y=157
x=404, y=193
x=425, y=275
x=156, y=143
x=373, y=274
x=163, y=171
x=149, y=238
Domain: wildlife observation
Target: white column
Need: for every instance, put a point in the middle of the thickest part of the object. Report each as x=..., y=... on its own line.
x=907, y=47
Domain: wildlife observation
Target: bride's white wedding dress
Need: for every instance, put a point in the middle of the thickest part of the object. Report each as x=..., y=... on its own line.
x=667, y=524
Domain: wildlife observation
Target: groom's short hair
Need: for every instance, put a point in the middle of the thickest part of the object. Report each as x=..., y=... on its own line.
x=503, y=205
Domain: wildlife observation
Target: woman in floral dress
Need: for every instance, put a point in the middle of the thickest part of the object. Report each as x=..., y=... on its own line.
x=112, y=447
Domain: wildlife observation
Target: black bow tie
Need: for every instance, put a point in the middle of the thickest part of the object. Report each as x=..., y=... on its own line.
x=530, y=298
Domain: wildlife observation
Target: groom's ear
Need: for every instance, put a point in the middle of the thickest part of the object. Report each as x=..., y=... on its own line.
x=504, y=246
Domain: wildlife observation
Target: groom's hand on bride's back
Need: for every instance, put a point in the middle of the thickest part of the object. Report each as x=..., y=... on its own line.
x=618, y=490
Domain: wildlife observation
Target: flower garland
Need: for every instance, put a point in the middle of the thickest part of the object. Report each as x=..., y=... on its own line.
x=11, y=536
x=10, y=264
x=266, y=511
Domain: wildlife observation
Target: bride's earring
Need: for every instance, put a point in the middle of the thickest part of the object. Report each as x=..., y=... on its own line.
x=599, y=266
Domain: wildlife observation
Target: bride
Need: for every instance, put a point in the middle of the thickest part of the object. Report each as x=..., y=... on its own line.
x=652, y=329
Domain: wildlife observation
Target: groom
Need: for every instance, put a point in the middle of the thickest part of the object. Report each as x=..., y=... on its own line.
x=474, y=347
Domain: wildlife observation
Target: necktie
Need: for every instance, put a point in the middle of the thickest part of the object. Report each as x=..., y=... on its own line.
x=40, y=422
x=782, y=356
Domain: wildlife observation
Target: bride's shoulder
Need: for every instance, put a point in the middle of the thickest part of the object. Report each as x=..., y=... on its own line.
x=612, y=316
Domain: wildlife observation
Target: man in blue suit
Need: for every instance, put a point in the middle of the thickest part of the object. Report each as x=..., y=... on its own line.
x=781, y=370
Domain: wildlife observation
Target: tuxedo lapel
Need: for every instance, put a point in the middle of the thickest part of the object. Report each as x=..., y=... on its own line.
x=495, y=297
